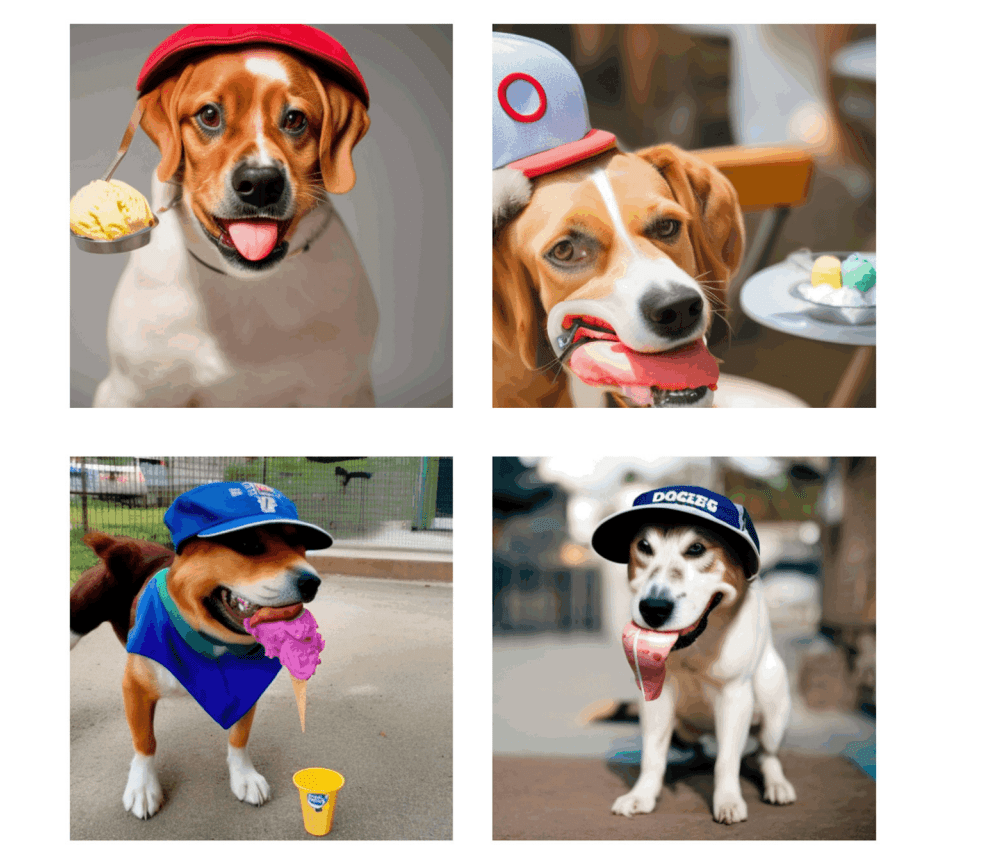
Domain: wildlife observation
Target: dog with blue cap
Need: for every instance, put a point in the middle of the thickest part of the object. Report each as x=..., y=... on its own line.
x=699, y=640
x=606, y=264
x=240, y=559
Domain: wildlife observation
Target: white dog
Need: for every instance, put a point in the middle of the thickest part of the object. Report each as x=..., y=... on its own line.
x=692, y=559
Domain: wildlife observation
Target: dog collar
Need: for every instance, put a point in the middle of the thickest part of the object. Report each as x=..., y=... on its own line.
x=202, y=643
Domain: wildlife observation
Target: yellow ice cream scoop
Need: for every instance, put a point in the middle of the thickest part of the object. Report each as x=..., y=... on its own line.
x=106, y=210
x=826, y=271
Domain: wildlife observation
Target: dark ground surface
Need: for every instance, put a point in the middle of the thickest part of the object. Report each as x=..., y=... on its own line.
x=570, y=799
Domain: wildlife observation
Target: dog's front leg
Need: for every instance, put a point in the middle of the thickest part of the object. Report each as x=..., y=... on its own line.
x=733, y=707
x=143, y=793
x=247, y=783
x=657, y=725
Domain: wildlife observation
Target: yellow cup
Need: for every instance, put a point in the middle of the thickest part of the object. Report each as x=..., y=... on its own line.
x=318, y=793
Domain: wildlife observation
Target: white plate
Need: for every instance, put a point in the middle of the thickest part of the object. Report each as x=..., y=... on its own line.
x=769, y=298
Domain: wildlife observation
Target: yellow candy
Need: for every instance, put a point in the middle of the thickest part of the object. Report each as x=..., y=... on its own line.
x=826, y=271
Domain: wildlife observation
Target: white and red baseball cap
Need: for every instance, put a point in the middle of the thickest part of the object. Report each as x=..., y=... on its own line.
x=540, y=117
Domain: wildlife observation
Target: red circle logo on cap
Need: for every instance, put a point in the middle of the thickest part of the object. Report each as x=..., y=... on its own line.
x=505, y=104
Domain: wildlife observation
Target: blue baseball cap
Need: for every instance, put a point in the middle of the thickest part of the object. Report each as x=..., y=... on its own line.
x=613, y=536
x=220, y=507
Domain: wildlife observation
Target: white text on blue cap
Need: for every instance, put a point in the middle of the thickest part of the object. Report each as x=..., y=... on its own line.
x=686, y=498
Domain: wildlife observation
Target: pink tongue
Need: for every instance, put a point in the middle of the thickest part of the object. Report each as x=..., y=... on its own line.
x=605, y=363
x=253, y=238
x=646, y=652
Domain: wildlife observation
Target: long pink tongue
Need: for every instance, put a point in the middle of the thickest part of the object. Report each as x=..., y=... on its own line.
x=254, y=239
x=646, y=652
x=605, y=363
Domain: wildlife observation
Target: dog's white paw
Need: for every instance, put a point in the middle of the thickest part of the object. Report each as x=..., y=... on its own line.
x=729, y=809
x=779, y=792
x=631, y=803
x=143, y=793
x=247, y=784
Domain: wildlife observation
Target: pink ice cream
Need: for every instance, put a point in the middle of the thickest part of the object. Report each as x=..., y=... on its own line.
x=646, y=652
x=296, y=643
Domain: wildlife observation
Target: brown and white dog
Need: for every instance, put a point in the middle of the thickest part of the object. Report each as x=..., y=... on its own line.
x=214, y=584
x=631, y=248
x=723, y=675
x=251, y=292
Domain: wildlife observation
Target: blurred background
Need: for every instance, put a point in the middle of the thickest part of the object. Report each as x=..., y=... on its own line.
x=710, y=85
x=563, y=694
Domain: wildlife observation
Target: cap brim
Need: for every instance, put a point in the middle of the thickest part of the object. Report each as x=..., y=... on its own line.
x=316, y=538
x=592, y=144
x=613, y=536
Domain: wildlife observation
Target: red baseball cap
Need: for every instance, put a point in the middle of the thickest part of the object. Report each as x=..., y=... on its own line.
x=206, y=38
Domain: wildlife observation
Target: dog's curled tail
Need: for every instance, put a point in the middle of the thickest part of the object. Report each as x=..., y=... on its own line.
x=106, y=592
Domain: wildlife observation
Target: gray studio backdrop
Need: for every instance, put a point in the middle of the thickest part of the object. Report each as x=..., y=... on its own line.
x=399, y=213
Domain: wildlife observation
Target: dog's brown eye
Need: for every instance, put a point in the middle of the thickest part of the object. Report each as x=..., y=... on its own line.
x=645, y=547
x=295, y=121
x=563, y=251
x=665, y=229
x=209, y=116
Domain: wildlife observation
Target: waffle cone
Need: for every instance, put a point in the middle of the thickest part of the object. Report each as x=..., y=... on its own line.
x=300, y=688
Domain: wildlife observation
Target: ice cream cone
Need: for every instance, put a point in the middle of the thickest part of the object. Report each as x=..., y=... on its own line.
x=300, y=688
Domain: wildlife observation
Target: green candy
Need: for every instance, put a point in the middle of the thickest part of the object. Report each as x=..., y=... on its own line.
x=858, y=273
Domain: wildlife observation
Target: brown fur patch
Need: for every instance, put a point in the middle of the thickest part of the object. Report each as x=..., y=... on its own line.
x=204, y=565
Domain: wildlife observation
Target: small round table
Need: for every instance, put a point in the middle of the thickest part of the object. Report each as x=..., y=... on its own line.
x=768, y=298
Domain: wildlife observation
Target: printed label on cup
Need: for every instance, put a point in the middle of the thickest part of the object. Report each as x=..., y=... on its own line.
x=317, y=801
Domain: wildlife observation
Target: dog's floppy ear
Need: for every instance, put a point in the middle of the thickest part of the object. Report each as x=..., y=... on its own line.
x=705, y=192
x=518, y=325
x=160, y=121
x=345, y=123
x=517, y=313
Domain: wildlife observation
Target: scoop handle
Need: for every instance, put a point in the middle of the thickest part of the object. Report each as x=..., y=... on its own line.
x=132, y=126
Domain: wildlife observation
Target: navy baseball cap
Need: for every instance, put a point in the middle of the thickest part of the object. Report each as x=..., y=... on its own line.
x=220, y=507
x=613, y=536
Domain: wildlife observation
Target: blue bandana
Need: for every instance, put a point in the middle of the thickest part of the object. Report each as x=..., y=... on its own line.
x=227, y=686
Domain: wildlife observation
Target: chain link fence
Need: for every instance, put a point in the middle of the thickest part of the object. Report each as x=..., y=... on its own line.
x=391, y=503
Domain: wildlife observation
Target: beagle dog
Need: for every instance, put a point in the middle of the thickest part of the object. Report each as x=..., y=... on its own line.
x=251, y=292
x=606, y=277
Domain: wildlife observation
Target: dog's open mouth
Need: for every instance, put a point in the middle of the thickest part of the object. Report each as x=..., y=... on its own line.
x=690, y=634
x=257, y=240
x=681, y=377
x=231, y=610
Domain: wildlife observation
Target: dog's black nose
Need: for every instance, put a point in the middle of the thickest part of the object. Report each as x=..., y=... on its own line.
x=673, y=310
x=308, y=584
x=258, y=185
x=656, y=610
